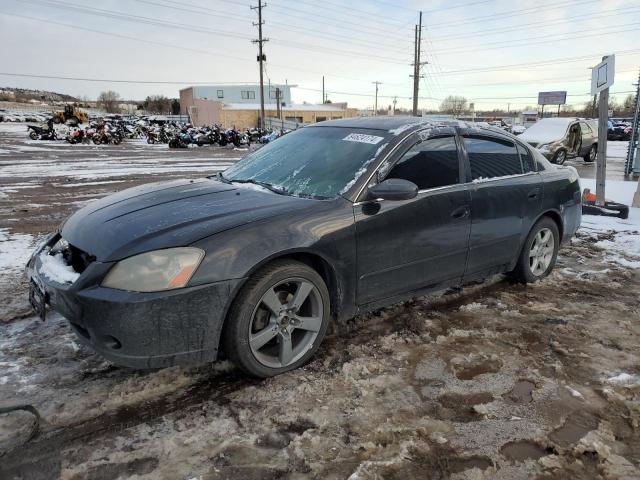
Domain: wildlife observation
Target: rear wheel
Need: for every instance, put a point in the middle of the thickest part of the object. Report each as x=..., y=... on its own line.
x=560, y=157
x=591, y=154
x=539, y=252
x=278, y=320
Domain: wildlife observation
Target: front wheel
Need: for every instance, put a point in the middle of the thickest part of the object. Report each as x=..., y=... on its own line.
x=278, y=320
x=591, y=154
x=539, y=252
x=33, y=135
x=560, y=157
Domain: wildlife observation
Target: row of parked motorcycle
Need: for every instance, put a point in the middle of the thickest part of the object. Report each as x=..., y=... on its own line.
x=175, y=135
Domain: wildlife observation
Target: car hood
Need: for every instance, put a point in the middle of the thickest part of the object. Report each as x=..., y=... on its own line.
x=169, y=214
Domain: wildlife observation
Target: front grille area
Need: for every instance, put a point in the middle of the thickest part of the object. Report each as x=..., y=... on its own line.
x=78, y=259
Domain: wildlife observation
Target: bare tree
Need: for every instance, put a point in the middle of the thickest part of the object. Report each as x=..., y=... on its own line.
x=109, y=101
x=454, y=105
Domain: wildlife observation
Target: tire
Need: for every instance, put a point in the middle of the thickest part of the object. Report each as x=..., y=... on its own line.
x=527, y=269
x=591, y=155
x=253, y=334
x=33, y=135
x=560, y=157
x=96, y=140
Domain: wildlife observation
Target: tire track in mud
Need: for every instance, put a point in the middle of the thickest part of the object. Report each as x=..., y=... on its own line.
x=40, y=457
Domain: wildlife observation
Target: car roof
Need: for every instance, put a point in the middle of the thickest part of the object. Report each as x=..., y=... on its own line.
x=401, y=123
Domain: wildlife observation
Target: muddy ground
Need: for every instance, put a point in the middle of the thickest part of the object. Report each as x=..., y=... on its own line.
x=494, y=381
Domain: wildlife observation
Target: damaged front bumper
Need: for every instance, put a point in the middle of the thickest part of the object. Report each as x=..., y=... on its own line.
x=133, y=329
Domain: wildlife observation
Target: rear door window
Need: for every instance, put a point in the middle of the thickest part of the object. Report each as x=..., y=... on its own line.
x=528, y=165
x=491, y=157
x=429, y=164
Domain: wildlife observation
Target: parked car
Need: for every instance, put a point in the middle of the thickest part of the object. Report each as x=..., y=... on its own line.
x=330, y=220
x=517, y=129
x=560, y=138
x=619, y=131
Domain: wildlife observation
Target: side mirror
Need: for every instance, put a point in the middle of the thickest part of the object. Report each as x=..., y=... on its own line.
x=393, y=189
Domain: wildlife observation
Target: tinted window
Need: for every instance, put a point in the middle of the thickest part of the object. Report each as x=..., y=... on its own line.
x=492, y=157
x=586, y=129
x=432, y=163
x=527, y=160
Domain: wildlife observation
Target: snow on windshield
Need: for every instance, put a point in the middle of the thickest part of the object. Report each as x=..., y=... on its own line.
x=316, y=162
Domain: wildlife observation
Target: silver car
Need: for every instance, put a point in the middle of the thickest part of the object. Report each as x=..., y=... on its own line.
x=560, y=138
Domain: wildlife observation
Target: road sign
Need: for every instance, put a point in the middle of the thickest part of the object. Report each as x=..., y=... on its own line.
x=602, y=74
x=552, y=98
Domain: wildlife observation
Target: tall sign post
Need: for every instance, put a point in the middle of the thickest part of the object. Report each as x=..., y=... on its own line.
x=601, y=79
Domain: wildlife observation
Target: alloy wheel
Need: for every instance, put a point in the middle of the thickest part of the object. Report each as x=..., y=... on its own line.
x=541, y=253
x=561, y=157
x=286, y=322
x=592, y=154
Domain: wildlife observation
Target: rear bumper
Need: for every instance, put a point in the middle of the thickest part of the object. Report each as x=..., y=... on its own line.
x=141, y=330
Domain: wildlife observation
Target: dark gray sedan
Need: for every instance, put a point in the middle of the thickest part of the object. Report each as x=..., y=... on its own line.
x=328, y=221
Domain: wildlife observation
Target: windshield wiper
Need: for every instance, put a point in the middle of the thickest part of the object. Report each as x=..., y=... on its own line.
x=260, y=184
x=221, y=177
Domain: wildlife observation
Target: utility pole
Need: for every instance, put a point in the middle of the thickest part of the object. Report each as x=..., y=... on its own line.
x=375, y=109
x=395, y=100
x=323, y=97
x=261, y=56
x=417, y=65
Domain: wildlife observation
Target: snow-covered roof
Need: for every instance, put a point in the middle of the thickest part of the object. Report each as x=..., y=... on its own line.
x=547, y=130
x=301, y=107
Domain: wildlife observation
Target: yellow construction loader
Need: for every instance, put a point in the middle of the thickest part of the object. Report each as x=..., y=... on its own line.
x=70, y=115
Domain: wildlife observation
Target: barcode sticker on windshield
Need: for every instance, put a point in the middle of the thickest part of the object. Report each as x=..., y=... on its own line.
x=362, y=138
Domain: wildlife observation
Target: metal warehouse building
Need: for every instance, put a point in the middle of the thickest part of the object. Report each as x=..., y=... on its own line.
x=239, y=106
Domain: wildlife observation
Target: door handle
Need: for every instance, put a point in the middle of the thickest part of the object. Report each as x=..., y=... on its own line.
x=460, y=212
x=533, y=194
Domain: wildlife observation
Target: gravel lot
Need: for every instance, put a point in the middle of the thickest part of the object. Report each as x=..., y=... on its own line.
x=493, y=381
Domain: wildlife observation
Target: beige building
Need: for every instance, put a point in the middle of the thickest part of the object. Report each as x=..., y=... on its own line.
x=205, y=111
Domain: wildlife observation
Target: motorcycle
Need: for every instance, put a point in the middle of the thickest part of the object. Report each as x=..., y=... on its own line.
x=40, y=133
x=77, y=135
x=255, y=134
x=157, y=136
x=238, y=139
x=106, y=135
x=207, y=136
x=181, y=140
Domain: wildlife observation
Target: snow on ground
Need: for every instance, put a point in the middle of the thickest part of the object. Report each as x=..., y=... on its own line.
x=15, y=250
x=620, y=238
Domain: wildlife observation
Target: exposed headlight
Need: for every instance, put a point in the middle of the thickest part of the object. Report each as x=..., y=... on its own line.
x=155, y=271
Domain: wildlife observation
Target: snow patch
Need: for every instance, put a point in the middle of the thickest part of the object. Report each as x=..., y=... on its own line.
x=624, y=379
x=54, y=268
x=15, y=250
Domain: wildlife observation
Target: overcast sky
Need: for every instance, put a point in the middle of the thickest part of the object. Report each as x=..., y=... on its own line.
x=488, y=51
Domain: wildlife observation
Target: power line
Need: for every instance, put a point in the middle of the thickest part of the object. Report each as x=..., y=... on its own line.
x=188, y=7
x=530, y=40
x=542, y=24
x=512, y=13
x=236, y=58
x=537, y=63
x=197, y=29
